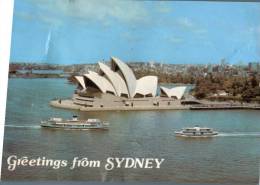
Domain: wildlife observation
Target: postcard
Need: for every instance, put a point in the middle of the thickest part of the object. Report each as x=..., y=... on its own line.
x=133, y=91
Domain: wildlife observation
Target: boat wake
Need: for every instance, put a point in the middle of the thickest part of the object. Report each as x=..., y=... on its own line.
x=239, y=134
x=24, y=126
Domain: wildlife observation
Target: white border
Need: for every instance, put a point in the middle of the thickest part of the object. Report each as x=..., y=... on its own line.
x=6, y=17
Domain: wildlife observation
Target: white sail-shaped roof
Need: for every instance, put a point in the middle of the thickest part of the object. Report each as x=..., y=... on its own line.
x=81, y=81
x=147, y=85
x=178, y=92
x=115, y=79
x=101, y=82
x=127, y=74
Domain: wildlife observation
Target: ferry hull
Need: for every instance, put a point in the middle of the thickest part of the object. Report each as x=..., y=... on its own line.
x=74, y=127
x=181, y=134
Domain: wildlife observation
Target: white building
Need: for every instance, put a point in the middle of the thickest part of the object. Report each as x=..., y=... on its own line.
x=117, y=85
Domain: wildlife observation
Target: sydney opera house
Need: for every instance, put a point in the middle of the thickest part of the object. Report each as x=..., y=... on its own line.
x=117, y=86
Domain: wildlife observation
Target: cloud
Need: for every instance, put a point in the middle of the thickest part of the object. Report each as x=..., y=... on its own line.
x=174, y=39
x=133, y=14
x=184, y=22
x=163, y=7
x=190, y=26
x=201, y=31
x=26, y=15
x=130, y=37
x=93, y=10
x=106, y=13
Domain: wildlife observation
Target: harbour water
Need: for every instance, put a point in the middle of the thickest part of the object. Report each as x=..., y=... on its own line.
x=232, y=157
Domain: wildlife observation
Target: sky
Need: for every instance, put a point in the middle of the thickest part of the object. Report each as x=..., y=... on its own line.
x=173, y=32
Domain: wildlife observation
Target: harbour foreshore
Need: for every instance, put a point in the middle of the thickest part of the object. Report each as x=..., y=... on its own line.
x=68, y=104
x=225, y=106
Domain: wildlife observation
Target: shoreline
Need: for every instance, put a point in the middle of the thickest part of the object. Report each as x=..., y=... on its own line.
x=68, y=104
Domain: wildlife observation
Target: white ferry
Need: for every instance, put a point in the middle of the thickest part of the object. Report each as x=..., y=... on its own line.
x=75, y=123
x=196, y=132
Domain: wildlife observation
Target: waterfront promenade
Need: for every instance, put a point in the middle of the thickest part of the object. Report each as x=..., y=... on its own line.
x=225, y=106
x=68, y=104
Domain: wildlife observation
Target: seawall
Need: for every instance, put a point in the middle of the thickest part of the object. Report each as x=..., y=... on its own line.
x=68, y=104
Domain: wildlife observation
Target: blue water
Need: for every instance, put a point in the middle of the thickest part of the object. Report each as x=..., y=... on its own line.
x=41, y=71
x=232, y=157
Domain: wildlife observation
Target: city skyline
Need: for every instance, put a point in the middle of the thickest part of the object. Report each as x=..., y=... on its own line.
x=77, y=31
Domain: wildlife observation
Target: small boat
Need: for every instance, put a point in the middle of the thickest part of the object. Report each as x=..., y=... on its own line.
x=75, y=124
x=196, y=132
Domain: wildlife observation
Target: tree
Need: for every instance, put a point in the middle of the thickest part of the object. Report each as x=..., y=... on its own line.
x=254, y=81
